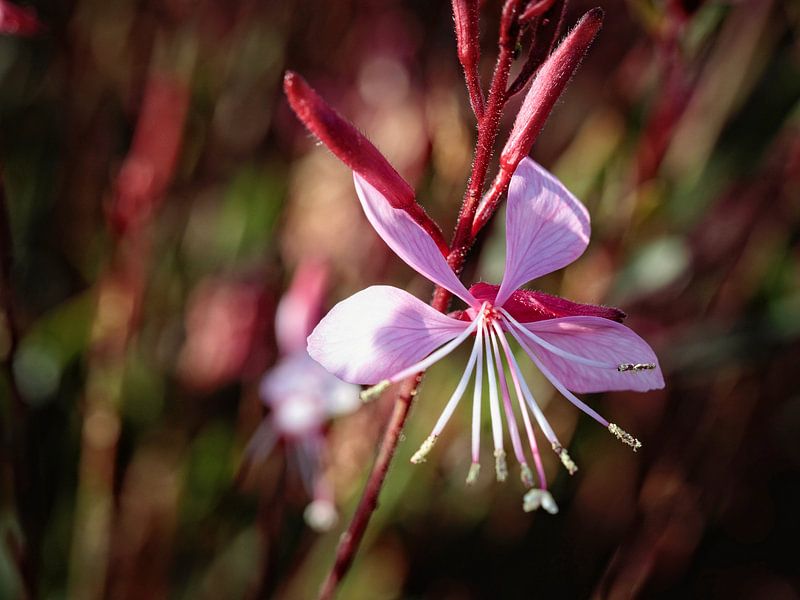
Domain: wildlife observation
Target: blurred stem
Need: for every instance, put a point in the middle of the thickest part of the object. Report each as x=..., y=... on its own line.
x=154, y=151
x=21, y=484
x=488, y=127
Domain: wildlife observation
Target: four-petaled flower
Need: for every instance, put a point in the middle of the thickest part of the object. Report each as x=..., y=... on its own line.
x=382, y=334
x=302, y=396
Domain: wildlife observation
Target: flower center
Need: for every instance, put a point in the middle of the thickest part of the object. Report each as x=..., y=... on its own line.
x=490, y=313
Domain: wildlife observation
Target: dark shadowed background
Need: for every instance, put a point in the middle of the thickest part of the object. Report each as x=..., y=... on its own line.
x=160, y=193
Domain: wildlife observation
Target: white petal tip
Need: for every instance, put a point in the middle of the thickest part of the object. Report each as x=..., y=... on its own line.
x=422, y=453
x=624, y=437
x=535, y=498
x=321, y=515
x=376, y=390
x=474, y=471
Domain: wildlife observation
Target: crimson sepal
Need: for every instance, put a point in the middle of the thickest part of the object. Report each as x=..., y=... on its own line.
x=527, y=306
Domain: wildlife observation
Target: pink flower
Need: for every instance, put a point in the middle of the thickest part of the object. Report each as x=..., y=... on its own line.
x=383, y=335
x=302, y=396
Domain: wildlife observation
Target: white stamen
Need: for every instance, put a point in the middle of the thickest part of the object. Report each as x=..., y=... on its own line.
x=494, y=404
x=536, y=498
x=474, y=471
x=477, y=398
x=427, y=445
x=624, y=437
x=526, y=475
x=436, y=356
x=555, y=349
x=537, y=412
x=460, y=388
x=565, y=459
x=513, y=431
x=556, y=383
x=522, y=408
x=500, y=466
x=374, y=391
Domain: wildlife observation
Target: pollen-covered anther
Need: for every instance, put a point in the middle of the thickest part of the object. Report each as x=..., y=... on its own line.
x=474, y=471
x=623, y=367
x=566, y=460
x=422, y=453
x=624, y=437
x=526, y=475
x=500, y=466
x=535, y=498
x=376, y=390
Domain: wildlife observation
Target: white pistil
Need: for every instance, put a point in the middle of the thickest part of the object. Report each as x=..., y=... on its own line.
x=494, y=406
x=474, y=471
x=624, y=437
x=375, y=391
x=427, y=446
x=500, y=466
x=436, y=356
x=555, y=349
x=568, y=463
x=556, y=383
x=535, y=498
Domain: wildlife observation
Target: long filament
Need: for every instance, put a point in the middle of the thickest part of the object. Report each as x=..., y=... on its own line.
x=435, y=356
x=557, y=384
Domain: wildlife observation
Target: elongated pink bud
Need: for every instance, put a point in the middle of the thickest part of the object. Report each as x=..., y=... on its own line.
x=356, y=151
x=549, y=83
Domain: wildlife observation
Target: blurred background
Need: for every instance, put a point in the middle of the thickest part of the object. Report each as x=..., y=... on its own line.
x=159, y=194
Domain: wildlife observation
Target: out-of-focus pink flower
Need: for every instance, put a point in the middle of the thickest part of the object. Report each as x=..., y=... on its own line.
x=383, y=335
x=18, y=20
x=226, y=323
x=302, y=396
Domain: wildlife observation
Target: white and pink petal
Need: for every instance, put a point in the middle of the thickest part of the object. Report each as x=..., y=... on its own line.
x=596, y=340
x=408, y=240
x=378, y=332
x=546, y=227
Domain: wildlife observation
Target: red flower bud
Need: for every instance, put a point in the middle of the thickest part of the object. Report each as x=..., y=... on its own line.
x=356, y=151
x=549, y=83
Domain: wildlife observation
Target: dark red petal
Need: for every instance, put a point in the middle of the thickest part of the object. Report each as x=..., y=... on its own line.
x=527, y=306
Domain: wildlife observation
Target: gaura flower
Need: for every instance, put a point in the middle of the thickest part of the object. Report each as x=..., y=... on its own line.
x=302, y=396
x=383, y=334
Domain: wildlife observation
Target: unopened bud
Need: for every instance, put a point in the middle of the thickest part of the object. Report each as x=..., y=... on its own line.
x=356, y=151
x=549, y=83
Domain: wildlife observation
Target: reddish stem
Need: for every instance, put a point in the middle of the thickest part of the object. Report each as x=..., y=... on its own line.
x=487, y=133
x=462, y=240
